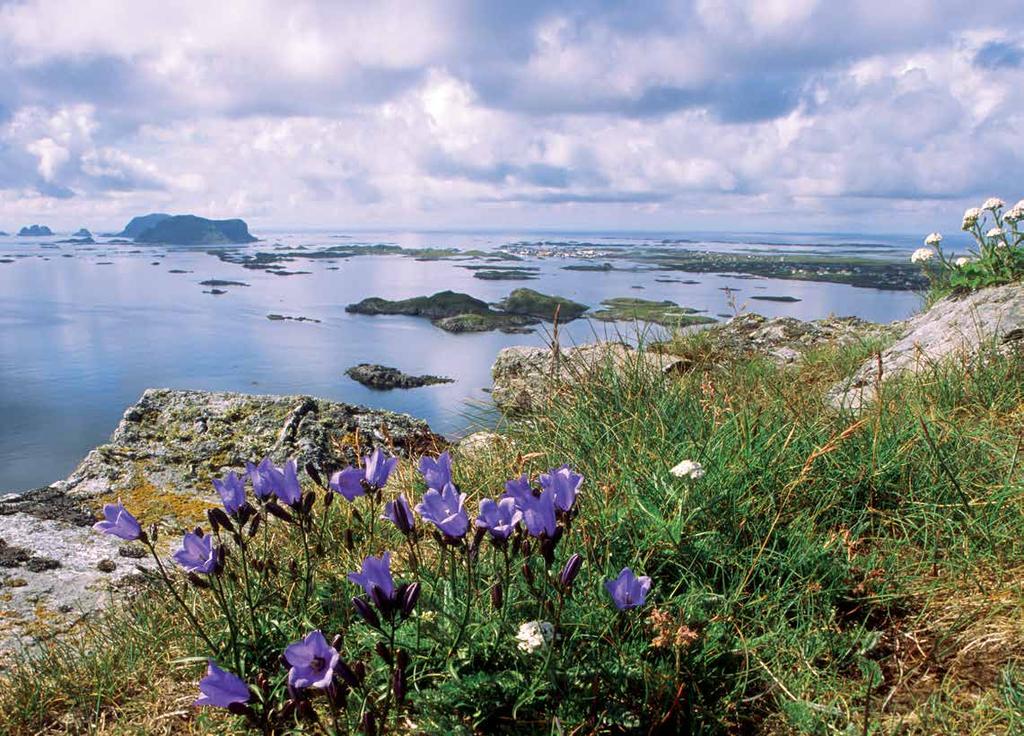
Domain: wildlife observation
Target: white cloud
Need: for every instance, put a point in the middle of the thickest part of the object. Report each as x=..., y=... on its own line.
x=801, y=113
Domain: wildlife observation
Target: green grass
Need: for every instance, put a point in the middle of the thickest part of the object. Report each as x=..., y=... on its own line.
x=831, y=573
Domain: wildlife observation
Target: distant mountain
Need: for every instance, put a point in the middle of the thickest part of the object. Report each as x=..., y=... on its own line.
x=82, y=233
x=35, y=231
x=139, y=225
x=3, y=234
x=192, y=230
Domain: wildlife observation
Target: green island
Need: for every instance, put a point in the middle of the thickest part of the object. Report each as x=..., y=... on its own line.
x=666, y=313
x=456, y=312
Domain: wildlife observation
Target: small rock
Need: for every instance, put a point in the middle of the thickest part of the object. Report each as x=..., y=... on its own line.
x=41, y=564
x=106, y=565
x=132, y=551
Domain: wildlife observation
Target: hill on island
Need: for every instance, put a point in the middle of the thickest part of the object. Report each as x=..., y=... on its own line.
x=139, y=225
x=186, y=230
x=35, y=231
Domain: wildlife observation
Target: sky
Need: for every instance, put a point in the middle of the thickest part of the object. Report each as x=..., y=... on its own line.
x=737, y=115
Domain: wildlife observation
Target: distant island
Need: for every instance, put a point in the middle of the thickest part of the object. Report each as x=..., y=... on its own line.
x=186, y=230
x=35, y=231
x=82, y=233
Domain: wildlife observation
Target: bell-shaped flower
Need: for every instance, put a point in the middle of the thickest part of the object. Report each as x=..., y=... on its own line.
x=231, y=489
x=377, y=468
x=539, y=514
x=197, y=554
x=446, y=510
x=399, y=513
x=348, y=483
x=627, y=590
x=437, y=473
x=313, y=661
x=376, y=573
x=519, y=489
x=263, y=478
x=221, y=689
x=118, y=522
x=499, y=519
x=564, y=483
x=287, y=489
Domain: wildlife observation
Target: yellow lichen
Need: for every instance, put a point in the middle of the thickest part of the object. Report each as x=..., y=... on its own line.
x=150, y=504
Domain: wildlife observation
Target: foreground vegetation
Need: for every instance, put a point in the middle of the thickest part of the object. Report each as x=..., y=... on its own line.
x=825, y=573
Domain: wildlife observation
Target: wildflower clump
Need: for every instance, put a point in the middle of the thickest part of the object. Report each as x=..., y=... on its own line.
x=287, y=647
x=998, y=257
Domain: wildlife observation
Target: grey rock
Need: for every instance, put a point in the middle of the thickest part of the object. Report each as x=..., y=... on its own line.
x=384, y=378
x=525, y=378
x=957, y=326
x=160, y=461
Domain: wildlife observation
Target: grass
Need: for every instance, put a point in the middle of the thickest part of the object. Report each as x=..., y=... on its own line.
x=831, y=573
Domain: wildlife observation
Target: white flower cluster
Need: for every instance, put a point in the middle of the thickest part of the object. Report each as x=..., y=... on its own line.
x=688, y=469
x=962, y=261
x=993, y=203
x=933, y=239
x=1015, y=213
x=534, y=635
x=971, y=217
x=922, y=255
x=996, y=232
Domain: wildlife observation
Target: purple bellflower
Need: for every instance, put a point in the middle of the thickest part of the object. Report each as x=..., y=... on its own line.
x=376, y=573
x=519, y=489
x=628, y=590
x=231, y=489
x=197, y=554
x=377, y=467
x=539, y=514
x=352, y=482
x=348, y=483
x=564, y=483
x=446, y=510
x=313, y=661
x=120, y=523
x=399, y=513
x=500, y=519
x=287, y=488
x=220, y=688
x=262, y=478
x=437, y=473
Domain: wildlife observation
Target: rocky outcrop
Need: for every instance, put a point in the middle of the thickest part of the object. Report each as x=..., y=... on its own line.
x=159, y=462
x=957, y=326
x=784, y=340
x=525, y=378
x=385, y=378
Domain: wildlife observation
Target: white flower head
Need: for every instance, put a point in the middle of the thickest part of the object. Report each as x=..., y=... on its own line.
x=922, y=255
x=971, y=218
x=933, y=239
x=688, y=469
x=993, y=203
x=534, y=635
x=996, y=232
x=1015, y=213
x=962, y=261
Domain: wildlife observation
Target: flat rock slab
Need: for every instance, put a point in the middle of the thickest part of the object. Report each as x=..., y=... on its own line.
x=526, y=377
x=176, y=441
x=957, y=326
x=54, y=568
x=54, y=571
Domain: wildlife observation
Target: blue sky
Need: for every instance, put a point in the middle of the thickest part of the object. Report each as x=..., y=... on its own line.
x=712, y=114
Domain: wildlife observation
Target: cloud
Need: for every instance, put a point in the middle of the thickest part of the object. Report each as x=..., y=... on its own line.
x=700, y=113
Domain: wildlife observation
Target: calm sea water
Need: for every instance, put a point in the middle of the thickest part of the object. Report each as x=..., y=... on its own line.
x=85, y=329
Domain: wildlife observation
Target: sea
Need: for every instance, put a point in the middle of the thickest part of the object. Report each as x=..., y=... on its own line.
x=85, y=329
